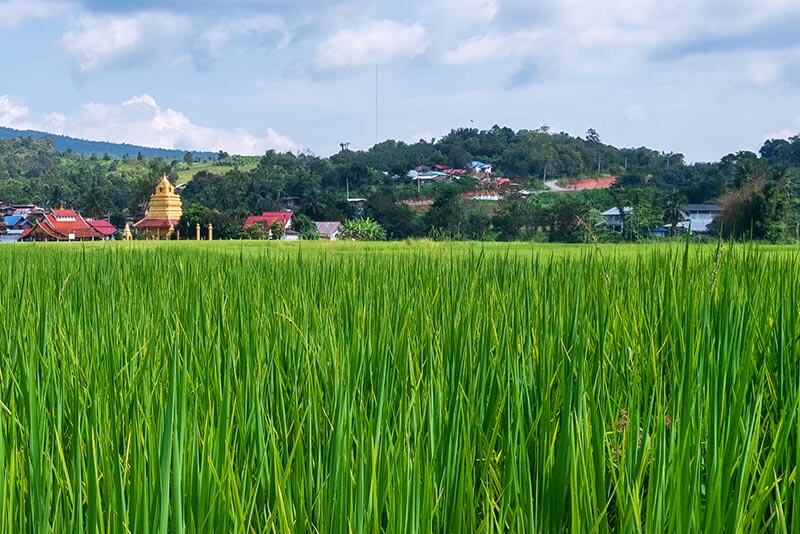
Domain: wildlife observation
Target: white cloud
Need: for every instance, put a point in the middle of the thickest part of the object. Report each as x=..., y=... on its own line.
x=492, y=47
x=15, y=12
x=377, y=42
x=604, y=34
x=635, y=113
x=11, y=113
x=98, y=41
x=142, y=121
x=214, y=39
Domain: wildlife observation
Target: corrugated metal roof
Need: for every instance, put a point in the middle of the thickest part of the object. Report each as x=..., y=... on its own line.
x=328, y=228
x=702, y=207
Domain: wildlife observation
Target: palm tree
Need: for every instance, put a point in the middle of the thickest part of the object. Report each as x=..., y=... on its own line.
x=672, y=210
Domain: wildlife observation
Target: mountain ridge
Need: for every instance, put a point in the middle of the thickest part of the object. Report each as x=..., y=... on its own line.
x=64, y=143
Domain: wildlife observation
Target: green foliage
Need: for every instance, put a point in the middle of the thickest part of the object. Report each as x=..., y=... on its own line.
x=759, y=210
x=568, y=220
x=446, y=217
x=303, y=225
x=227, y=225
x=362, y=230
x=276, y=230
x=82, y=147
x=32, y=171
x=254, y=231
x=517, y=218
x=424, y=388
x=398, y=220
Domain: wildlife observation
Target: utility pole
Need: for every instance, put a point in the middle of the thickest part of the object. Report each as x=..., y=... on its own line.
x=544, y=174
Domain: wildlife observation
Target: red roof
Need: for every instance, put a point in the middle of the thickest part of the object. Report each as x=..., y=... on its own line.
x=268, y=218
x=102, y=226
x=62, y=225
x=155, y=223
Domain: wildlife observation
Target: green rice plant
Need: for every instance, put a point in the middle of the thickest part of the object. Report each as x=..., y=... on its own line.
x=406, y=387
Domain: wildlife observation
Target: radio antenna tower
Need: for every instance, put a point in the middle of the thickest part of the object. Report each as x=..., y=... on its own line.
x=376, y=104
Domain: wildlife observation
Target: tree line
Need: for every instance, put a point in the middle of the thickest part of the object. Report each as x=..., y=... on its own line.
x=758, y=191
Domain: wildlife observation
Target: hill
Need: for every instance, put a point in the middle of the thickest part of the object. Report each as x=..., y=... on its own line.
x=759, y=192
x=64, y=143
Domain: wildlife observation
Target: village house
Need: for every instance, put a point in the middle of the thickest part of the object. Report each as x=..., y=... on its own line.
x=103, y=227
x=269, y=218
x=698, y=218
x=480, y=167
x=29, y=211
x=291, y=203
x=359, y=204
x=329, y=229
x=290, y=235
x=14, y=225
x=613, y=219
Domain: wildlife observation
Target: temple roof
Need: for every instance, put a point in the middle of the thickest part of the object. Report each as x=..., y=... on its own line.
x=165, y=205
x=155, y=223
x=62, y=225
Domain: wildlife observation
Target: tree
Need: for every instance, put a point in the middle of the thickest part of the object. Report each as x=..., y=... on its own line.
x=592, y=136
x=276, y=230
x=188, y=158
x=254, y=232
x=758, y=210
x=516, y=218
x=398, y=219
x=568, y=220
x=302, y=223
x=642, y=220
x=195, y=214
x=446, y=216
x=673, y=213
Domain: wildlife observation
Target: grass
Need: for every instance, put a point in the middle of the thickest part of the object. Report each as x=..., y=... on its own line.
x=411, y=387
x=185, y=172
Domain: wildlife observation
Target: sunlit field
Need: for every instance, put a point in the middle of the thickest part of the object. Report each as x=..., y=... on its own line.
x=403, y=387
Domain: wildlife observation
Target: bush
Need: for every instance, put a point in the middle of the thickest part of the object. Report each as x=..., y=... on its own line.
x=363, y=230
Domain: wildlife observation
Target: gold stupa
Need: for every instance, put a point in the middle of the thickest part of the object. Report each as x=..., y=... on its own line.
x=165, y=203
x=163, y=212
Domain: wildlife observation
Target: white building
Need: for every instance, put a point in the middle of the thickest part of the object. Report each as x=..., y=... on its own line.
x=697, y=218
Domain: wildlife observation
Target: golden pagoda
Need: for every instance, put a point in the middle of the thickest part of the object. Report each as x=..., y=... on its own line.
x=163, y=212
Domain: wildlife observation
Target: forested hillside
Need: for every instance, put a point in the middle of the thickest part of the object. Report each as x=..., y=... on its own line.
x=63, y=143
x=759, y=191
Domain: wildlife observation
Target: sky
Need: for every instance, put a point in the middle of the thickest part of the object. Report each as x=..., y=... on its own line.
x=700, y=77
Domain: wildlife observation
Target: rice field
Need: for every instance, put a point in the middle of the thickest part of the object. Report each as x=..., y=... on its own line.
x=246, y=387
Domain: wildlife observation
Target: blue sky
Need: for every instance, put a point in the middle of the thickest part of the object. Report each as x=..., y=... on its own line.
x=701, y=77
